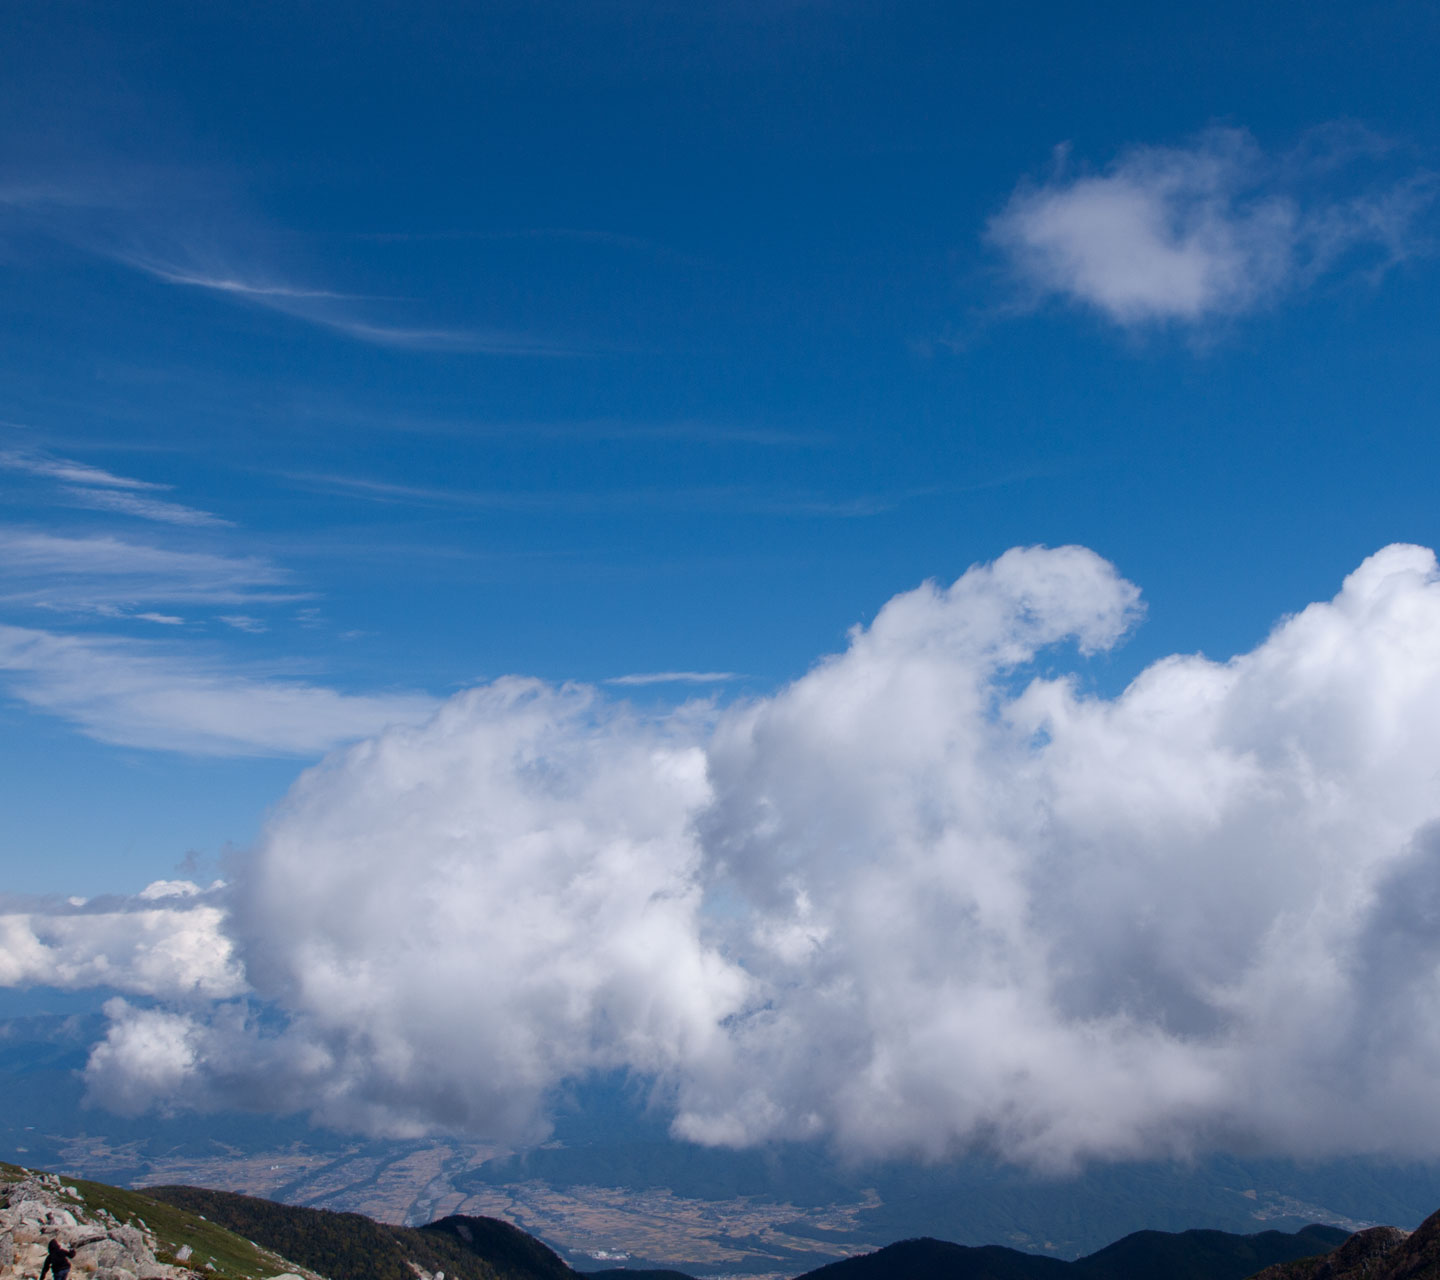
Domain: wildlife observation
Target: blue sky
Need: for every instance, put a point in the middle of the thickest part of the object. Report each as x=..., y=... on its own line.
x=590, y=340
x=520, y=401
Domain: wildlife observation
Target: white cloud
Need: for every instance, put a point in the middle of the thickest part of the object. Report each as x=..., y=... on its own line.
x=258, y=289
x=148, y=1053
x=132, y=504
x=87, y=486
x=171, y=951
x=244, y=622
x=169, y=889
x=673, y=677
x=538, y=921
x=493, y=342
x=89, y=573
x=187, y=231
x=1212, y=229
x=714, y=497
x=146, y=695
x=919, y=899
x=339, y=312
x=69, y=471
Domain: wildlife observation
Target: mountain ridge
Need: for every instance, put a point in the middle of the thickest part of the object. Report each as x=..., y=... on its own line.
x=1143, y=1255
x=224, y=1235
x=1379, y=1253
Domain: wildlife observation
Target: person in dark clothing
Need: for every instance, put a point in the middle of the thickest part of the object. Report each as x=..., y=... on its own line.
x=57, y=1260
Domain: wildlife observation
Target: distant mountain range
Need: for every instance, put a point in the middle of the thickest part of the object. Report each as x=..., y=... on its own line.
x=351, y=1247
x=191, y=1233
x=1145, y=1255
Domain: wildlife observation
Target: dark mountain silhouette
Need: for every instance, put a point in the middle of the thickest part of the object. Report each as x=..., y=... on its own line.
x=1145, y=1255
x=1381, y=1253
x=1203, y=1255
x=516, y=1252
x=927, y=1259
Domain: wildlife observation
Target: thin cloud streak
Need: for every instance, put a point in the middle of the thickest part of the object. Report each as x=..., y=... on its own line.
x=53, y=571
x=85, y=486
x=140, y=694
x=156, y=509
x=244, y=622
x=71, y=472
x=600, y=429
x=674, y=677
x=579, y=235
x=148, y=237
x=230, y=284
x=460, y=341
x=713, y=498
x=334, y=310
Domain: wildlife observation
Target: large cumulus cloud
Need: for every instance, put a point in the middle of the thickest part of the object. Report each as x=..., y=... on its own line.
x=929, y=895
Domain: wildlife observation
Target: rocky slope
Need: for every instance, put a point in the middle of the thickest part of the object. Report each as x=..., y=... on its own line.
x=120, y=1235
x=1381, y=1253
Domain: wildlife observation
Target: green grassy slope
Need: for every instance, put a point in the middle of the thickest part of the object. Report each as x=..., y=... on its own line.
x=232, y=1255
x=347, y=1246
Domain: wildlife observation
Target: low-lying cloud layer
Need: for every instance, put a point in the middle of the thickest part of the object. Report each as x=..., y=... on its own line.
x=920, y=899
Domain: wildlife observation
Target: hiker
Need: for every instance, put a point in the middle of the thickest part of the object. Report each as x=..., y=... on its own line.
x=57, y=1260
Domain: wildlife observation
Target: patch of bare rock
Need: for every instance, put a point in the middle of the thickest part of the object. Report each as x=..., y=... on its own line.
x=40, y=1208
x=1381, y=1253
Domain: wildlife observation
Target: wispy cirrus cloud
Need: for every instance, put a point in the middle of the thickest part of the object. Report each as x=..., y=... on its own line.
x=576, y=235
x=731, y=498
x=145, y=694
x=83, y=485
x=674, y=677
x=204, y=242
x=180, y=695
x=69, y=471
x=126, y=503
x=231, y=284
x=55, y=571
x=344, y=313
x=244, y=622
x=461, y=340
x=1213, y=228
x=424, y=422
